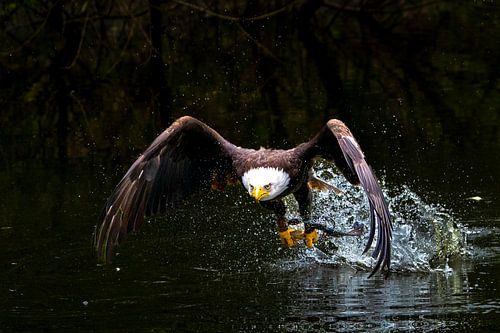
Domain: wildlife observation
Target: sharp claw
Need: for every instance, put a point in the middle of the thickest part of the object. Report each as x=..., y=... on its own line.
x=287, y=237
x=311, y=238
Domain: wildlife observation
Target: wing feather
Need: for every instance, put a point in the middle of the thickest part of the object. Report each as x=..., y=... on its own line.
x=335, y=141
x=180, y=161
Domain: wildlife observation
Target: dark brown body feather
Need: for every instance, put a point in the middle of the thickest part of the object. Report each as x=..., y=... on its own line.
x=190, y=157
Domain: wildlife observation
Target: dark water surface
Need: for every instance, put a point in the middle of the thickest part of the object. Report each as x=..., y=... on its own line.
x=216, y=265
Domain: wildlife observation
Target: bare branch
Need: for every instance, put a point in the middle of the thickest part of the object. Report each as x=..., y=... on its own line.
x=33, y=35
x=259, y=44
x=380, y=9
x=234, y=18
x=82, y=37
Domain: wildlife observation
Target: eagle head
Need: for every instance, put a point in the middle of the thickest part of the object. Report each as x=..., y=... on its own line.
x=265, y=183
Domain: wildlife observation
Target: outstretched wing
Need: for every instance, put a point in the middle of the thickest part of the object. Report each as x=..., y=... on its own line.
x=186, y=158
x=335, y=141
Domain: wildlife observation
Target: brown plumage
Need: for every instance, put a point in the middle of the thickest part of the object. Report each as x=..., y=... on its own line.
x=190, y=157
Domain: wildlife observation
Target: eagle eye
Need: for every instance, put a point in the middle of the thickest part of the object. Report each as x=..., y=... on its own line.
x=267, y=187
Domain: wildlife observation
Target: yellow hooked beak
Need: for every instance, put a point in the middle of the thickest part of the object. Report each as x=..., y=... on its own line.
x=259, y=192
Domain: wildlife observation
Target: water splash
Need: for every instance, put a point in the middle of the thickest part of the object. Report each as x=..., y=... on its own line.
x=425, y=235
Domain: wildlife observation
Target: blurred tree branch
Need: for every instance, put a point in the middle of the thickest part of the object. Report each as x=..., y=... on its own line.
x=234, y=18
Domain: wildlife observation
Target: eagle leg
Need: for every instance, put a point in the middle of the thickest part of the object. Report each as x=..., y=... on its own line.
x=304, y=198
x=288, y=236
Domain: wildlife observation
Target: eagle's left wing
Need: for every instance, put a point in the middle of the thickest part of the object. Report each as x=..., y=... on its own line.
x=335, y=141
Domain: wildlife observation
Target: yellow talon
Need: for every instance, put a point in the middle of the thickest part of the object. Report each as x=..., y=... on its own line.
x=287, y=237
x=290, y=237
x=311, y=238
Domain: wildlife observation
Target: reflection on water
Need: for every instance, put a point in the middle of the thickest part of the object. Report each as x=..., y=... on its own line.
x=209, y=269
x=344, y=302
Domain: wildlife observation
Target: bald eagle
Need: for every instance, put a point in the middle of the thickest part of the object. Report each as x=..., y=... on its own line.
x=190, y=157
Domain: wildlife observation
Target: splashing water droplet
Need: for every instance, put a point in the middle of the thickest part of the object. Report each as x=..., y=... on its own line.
x=425, y=235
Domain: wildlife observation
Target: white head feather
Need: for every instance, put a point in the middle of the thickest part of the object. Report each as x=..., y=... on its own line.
x=277, y=178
